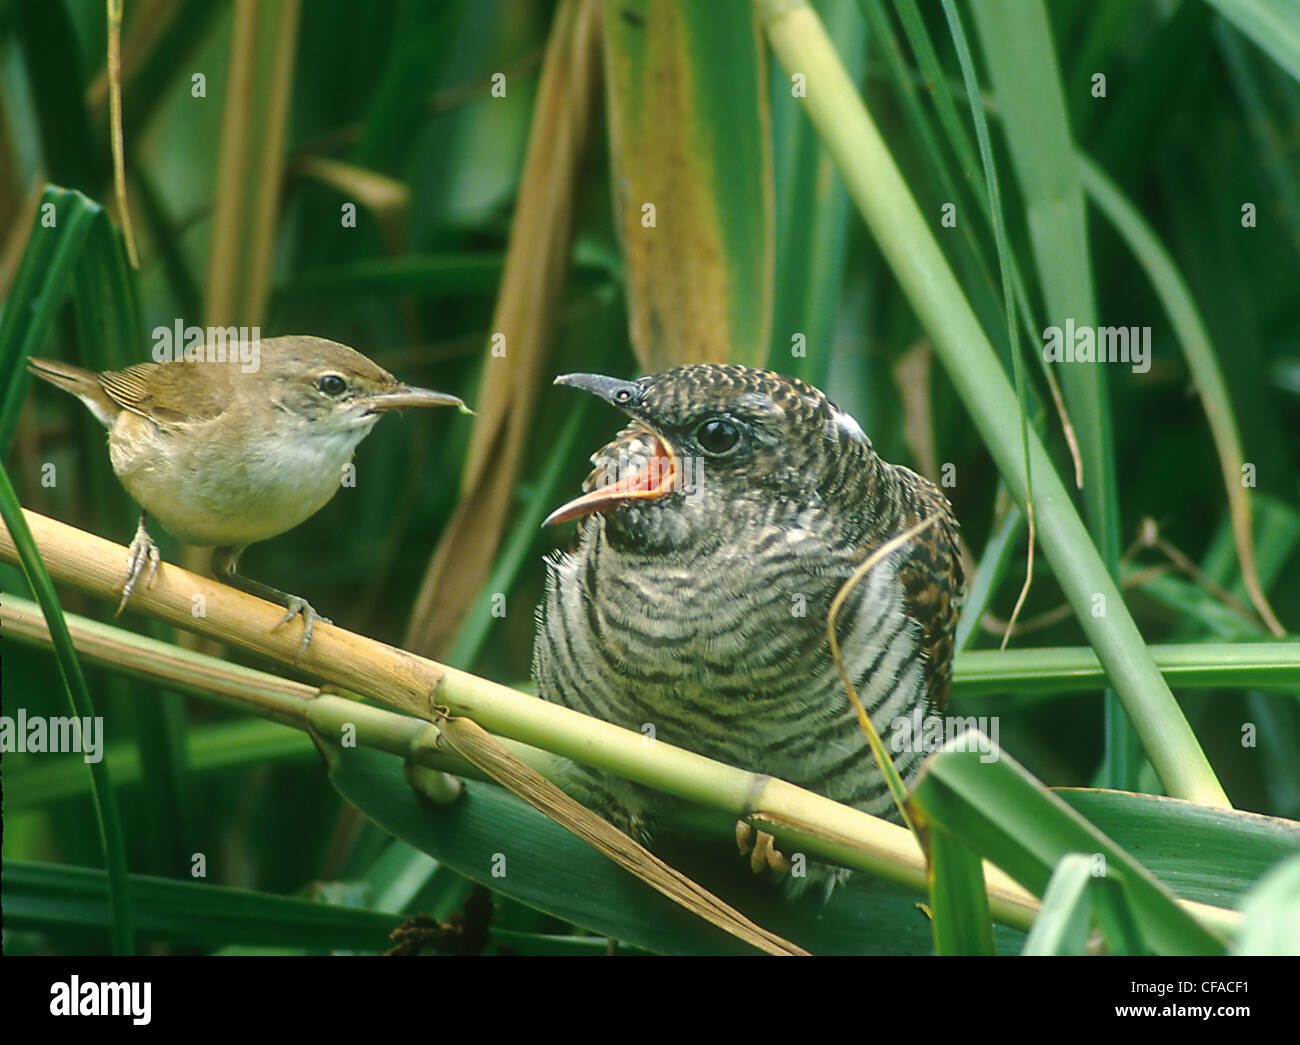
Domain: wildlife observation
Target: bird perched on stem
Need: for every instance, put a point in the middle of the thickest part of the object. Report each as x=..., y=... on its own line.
x=715, y=531
x=226, y=448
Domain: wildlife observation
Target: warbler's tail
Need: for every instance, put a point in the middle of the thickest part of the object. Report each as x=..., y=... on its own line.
x=82, y=383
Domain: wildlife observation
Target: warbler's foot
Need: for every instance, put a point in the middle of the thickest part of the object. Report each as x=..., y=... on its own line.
x=142, y=551
x=762, y=850
x=224, y=561
x=295, y=605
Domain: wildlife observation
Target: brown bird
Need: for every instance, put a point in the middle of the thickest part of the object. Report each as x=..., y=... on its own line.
x=715, y=531
x=230, y=449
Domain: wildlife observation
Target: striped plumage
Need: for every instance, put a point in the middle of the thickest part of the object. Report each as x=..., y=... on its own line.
x=701, y=611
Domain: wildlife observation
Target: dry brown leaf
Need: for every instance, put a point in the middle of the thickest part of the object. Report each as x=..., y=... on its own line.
x=537, y=260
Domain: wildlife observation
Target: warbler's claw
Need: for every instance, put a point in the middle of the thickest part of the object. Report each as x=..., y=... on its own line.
x=142, y=550
x=294, y=606
x=224, y=561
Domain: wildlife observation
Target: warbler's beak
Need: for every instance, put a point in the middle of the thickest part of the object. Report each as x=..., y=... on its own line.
x=656, y=479
x=406, y=395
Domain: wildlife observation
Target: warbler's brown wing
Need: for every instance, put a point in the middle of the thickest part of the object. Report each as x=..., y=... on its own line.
x=169, y=393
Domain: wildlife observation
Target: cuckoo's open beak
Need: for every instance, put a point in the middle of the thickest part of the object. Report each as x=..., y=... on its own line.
x=656, y=478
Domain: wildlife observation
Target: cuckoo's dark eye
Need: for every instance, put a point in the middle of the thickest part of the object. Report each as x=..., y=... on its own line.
x=717, y=436
x=623, y=395
x=332, y=384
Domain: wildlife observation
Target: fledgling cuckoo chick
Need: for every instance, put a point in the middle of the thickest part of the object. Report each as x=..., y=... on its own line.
x=715, y=531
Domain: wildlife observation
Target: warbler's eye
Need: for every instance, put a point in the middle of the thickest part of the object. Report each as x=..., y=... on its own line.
x=717, y=436
x=332, y=384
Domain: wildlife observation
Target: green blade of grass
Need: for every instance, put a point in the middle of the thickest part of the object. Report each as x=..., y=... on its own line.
x=812, y=212
x=988, y=575
x=66, y=222
x=1208, y=855
x=908, y=243
x=959, y=907
x=1274, y=26
x=1271, y=666
x=1005, y=815
x=1021, y=57
x=1065, y=919
x=112, y=839
x=50, y=898
x=1177, y=299
x=1272, y=913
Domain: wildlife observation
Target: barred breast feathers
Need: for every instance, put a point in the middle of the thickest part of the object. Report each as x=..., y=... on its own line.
x=729, y=677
